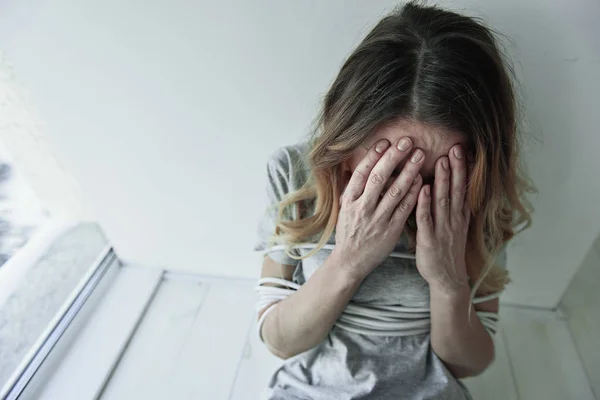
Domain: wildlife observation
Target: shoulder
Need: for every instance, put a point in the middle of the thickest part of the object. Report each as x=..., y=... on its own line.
x=290, y=164
x=290, y=157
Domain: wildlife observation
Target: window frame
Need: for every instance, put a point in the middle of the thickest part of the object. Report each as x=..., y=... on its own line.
x=37, y=365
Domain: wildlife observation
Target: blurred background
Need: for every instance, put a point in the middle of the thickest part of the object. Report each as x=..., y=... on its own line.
x=145, y=127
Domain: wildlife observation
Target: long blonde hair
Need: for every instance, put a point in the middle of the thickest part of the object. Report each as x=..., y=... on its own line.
x=436, y=67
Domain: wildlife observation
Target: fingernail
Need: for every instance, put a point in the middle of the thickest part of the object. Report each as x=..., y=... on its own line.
x=426, y=190
x=381, y=146
x=417, y=156
x=445, y=163
x=458, y=152
x=404, y=144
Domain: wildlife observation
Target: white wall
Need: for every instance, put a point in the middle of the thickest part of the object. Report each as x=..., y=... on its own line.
x=175, y=106
x=581, y=304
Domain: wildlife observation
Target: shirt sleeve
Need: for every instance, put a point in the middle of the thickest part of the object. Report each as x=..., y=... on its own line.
x=278, y=186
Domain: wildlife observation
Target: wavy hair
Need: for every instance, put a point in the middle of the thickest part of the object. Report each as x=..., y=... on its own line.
x=437, y=67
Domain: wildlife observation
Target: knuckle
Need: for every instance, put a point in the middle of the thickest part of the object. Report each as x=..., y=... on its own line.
x=390, y=155
x=359, y=174
x=444, y=178
x=395, y=190
x=405, y=206
x=390, y=158
x=376, y=178
x=444, y=202
x=425, y=218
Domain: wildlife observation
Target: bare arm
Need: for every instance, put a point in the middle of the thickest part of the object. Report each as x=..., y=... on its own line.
x=369, y=226
x=303, y=320
x=443, y=216
x=465, y=346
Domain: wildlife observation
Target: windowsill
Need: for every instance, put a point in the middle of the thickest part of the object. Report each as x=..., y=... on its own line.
x=36, y=281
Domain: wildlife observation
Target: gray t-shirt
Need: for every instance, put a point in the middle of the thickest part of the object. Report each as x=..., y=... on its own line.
x=348, y=365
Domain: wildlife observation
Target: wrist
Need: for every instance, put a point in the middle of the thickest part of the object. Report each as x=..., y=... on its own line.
x=451, y=280
x=346, y=266
x=450, y=290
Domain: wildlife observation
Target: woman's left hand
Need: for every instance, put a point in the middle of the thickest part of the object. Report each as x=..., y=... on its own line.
x=442, y=225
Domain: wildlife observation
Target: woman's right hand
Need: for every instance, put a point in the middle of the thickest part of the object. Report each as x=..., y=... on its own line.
x=371, y=217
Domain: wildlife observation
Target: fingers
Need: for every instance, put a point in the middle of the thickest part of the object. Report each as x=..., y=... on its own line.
x=359, y=177
x=383, y=170
x=458, y=177
x=397, y=191
x=466, y=204
x=408, y=202
x=441, y=188
x=425, y=228
x=466, y=212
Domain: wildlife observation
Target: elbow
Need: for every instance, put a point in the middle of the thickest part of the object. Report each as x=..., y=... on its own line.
x=463, y=373
x=280, y=351
x=486, y=364
x=469, y=372
x=486, y=360
x=268, y=340
x=284, y=355
x=279, y=354
x=475, y=369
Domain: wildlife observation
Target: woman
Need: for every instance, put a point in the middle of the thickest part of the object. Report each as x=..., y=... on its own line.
x=383, y=245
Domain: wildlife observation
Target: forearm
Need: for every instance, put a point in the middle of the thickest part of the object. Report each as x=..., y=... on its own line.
x=303, y=319
x=461, y=342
